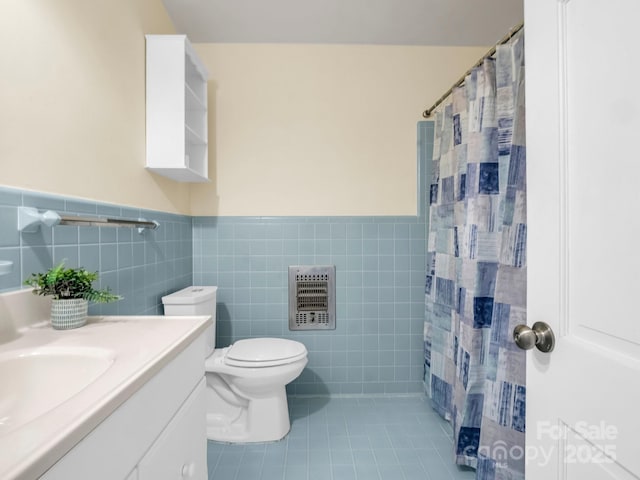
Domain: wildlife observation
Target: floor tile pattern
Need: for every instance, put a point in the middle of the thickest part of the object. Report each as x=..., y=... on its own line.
x=348, y=438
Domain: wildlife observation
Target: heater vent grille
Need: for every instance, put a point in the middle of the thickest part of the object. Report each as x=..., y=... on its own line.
x=312, y=304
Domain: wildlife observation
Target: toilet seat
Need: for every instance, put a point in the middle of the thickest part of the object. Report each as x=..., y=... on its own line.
x=264, y=352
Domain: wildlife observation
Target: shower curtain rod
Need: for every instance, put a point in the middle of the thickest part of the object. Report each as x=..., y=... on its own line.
x=427, y=113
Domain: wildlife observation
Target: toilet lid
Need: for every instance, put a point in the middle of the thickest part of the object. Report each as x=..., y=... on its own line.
x=256, y=352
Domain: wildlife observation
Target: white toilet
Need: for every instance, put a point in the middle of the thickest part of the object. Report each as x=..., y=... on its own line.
x=246, y=397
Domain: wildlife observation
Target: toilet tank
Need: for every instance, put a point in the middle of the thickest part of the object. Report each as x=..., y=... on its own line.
x=194, y=301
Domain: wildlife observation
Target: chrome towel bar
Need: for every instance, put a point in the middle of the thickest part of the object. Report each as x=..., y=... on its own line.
x=30, y=219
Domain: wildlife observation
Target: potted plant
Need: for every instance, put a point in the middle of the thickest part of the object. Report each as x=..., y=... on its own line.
x=72, y=290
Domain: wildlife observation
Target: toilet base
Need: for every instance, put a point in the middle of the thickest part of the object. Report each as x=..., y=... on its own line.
x=265, y=419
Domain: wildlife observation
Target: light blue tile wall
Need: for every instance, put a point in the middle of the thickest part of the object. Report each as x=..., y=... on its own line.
x=141, y=267
x=377, y=346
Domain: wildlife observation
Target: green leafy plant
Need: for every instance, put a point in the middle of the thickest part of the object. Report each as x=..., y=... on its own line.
x=66, y=283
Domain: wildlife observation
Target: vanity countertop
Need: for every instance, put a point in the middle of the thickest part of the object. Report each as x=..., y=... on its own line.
x=137, y=348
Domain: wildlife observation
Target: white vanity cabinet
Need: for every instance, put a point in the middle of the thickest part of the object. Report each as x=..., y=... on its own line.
x=159, y=433
x=176, y=96
x=178, y=453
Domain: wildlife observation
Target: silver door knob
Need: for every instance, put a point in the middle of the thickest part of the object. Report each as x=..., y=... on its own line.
x=539, y=336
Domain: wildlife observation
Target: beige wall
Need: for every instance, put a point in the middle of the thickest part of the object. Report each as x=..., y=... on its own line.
x=72, y=105
x=319, y=129
x=294, y=129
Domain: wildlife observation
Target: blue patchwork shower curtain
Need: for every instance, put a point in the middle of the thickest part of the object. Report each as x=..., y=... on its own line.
x=476, y=280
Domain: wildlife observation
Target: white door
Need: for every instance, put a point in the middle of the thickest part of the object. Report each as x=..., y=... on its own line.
x=583, y=162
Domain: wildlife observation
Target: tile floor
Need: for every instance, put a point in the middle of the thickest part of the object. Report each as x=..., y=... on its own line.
x=348, y=438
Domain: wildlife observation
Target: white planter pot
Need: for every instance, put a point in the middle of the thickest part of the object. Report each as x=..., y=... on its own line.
x=69, y=313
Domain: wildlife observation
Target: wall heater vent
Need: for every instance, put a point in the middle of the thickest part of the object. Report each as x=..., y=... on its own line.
x=312, y=297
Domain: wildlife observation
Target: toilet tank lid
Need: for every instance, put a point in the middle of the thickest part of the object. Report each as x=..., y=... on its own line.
x=265, y=349
x=190, y=296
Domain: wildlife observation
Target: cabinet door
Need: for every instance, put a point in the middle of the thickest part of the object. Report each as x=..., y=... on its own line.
x=181, y=449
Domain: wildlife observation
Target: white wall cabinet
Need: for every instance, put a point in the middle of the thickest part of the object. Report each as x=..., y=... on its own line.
x=158, y=434
x=176, y=97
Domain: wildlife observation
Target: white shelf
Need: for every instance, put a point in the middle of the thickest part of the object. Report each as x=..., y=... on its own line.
x=194, y=102
x=192, y=136
x=177, y=129
x=181, y=174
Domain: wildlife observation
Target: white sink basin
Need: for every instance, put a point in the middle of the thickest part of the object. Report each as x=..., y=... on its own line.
x=32, y=382
x=58, y=386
